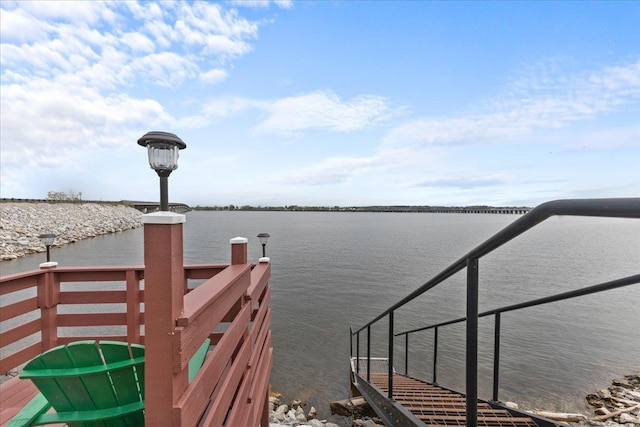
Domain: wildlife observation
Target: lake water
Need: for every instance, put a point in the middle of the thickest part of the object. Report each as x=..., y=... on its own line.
x=335, y=270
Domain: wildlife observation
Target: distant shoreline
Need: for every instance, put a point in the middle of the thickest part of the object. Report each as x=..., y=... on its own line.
x=296, y=208
x=382, y=209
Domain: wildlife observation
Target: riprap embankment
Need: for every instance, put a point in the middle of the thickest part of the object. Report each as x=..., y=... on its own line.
x=22, y=223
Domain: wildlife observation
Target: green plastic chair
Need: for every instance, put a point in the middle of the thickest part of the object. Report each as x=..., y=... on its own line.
x=90, y=383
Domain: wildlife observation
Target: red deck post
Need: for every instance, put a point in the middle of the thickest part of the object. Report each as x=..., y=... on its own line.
x=48, y=298
x=239, y=250
x=163, y=290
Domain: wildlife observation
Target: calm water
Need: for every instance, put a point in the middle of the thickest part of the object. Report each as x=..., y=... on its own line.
x=333, y=270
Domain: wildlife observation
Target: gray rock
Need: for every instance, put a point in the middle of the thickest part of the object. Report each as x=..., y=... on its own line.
x=312, y=413
x=628, y=418
x=296, y=403
x=280, y=412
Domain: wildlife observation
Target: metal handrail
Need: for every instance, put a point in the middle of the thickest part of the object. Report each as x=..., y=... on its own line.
x=606, y=208
x=606, y=286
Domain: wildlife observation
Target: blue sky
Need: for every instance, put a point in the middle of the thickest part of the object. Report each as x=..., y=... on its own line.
x=328, y=103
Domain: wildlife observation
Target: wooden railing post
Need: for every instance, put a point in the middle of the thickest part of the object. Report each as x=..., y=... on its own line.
x=163, y=296
x=239, y=250
x=133, y=306
x=48, y=298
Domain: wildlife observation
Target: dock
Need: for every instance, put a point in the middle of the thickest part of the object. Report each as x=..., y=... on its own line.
x=400, y=400
x=419, y=403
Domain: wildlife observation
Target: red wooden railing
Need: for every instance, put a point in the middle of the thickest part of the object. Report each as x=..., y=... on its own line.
x=230, y=306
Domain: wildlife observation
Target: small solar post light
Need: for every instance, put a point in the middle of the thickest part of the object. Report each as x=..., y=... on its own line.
x=163, y=148
x=47, y=240
x=264, y=238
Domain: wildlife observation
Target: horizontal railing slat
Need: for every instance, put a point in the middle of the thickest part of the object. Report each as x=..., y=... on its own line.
x=211, y=373
x=259, y=279
x=219, y=408
x=93, y=297
x=9, y=336
x=69, y=339
x=13, y=360
x=17, y=282
x=203, y=271
x=19, y=308
x=260, y=386
x=219, y=286
x=92, y=319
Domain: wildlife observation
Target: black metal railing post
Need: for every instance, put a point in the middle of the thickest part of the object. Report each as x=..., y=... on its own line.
x=358, y=352
x=406, y=354
x=472, y=343
x=350, y=342
x=496, y=357
x=369, y=353
x=435, y=355
x=390, y=367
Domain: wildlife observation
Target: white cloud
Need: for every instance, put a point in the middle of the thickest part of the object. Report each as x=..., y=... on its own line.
x=213, y=76
x=333, y=170
x=225, y=106
x=466, y=181
x=285, y=4
x=148, y=10
x=417, y=154
x=323, y=110
x=138, y=42
x=167, y=69
x=50, y=38
x=62, y=126
x=71, y=71
x=544, y=105
x=86, y=12
x=17, y=26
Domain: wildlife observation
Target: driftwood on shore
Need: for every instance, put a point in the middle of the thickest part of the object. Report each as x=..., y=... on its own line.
x=576, y=418
x=619, y=403
x=350, y=407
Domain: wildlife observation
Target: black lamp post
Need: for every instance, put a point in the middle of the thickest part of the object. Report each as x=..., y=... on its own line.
x=264, y=238
x=163, y=150
x=47, y=240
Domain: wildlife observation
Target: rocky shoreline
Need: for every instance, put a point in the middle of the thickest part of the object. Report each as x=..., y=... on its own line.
x=294, y=414
x=618, y=405
x=21, y=223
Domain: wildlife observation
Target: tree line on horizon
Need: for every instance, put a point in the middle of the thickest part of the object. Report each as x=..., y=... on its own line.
x=375, y=208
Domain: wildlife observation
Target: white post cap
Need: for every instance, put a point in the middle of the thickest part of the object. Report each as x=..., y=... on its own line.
x=164, y=217
x=239, y=241
x=264, y=259
x=49, y=264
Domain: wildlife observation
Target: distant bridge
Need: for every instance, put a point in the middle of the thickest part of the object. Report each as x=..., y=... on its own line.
x=148, y=207
x=512, y=211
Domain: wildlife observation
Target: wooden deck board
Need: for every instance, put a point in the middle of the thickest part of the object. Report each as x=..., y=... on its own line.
x=14, y=395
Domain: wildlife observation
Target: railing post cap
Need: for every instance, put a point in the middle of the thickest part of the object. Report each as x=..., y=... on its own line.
x=239, y=241
x=264, y=259
x=49, y=264
x=163, y=217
